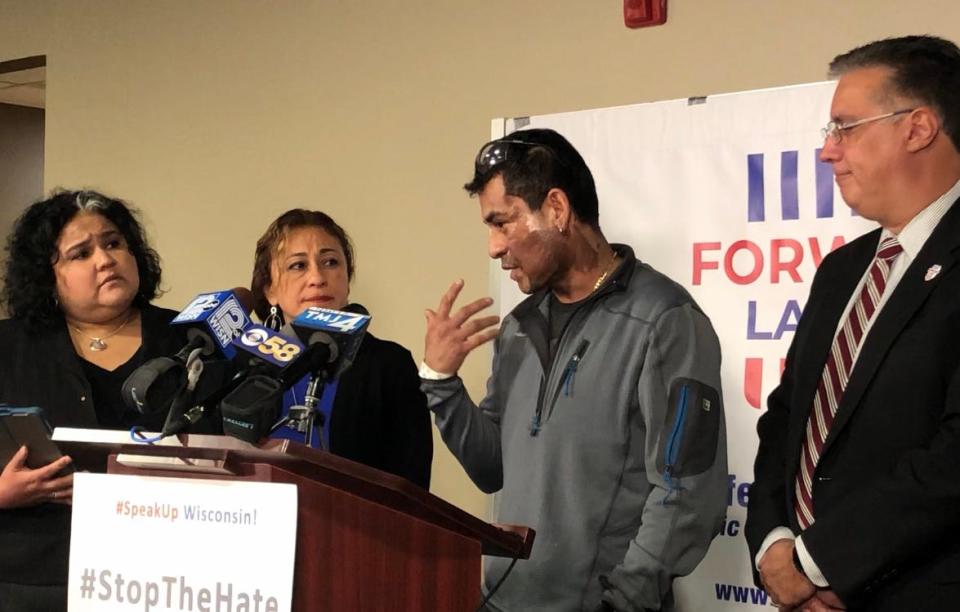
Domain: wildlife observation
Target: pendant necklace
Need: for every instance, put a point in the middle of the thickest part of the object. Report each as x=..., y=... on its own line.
x=97, y=344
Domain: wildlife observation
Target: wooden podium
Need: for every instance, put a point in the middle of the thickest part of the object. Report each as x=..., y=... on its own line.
x=366, y=540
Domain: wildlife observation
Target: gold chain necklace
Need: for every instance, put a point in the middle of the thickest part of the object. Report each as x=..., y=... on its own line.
x=606, y=273
x=97, y=344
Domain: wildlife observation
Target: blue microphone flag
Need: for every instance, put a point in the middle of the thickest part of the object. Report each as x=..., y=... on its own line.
x=219, y=315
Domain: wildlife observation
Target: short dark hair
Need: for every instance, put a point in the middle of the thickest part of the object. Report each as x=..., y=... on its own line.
x=925, y=68
x=538, y=161
x=29, y=283
x=271, y=242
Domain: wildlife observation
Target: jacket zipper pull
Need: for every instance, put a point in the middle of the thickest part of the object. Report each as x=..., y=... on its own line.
x=571, y=370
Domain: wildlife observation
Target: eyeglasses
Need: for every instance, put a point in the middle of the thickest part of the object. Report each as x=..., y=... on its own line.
x=835, y=130
x=498, y=151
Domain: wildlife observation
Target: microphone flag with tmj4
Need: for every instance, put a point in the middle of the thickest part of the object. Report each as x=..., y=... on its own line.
x=345, y=328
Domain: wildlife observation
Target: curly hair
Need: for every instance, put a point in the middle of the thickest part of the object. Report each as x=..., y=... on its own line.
x=272, y=241
x=29, y=284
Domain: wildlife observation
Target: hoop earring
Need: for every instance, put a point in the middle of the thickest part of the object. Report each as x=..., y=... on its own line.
x=274, y=320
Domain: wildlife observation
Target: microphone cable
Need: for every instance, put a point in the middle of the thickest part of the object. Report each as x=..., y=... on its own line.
x=486, y=599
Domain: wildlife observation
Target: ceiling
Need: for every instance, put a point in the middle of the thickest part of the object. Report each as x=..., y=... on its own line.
x=24, y=87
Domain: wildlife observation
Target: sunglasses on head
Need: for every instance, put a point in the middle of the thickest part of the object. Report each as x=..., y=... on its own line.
x=498, y=151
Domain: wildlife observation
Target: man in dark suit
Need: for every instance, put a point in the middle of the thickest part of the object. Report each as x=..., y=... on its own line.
x=856, y=499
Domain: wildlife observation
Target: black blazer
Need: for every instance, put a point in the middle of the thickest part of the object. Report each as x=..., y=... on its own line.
x=379, y=416
x=44, y=370
x=887, y=487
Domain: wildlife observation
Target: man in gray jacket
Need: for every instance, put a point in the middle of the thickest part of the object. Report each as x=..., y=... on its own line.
x=602, y=427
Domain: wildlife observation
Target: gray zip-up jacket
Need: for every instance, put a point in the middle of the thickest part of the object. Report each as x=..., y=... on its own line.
x=614, y=451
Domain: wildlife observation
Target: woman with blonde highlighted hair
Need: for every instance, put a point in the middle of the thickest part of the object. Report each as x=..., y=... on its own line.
x=375, y=413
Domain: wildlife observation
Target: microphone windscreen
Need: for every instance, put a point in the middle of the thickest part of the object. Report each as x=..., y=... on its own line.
x=220, y=315
x=251, y=408
x=197, y=338
x=346, y=329
x=245, y=297
x=151, y=388
x=356, y=309
x=316, y=358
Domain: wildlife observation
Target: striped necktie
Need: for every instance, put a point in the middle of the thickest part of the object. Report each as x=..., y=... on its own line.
x=836, y=373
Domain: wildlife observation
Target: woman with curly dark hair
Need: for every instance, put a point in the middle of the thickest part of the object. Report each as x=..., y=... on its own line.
x=78, y=284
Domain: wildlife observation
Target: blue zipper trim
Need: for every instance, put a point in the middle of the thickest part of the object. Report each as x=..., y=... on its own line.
x=571, y=370
x=568, y=375
x=565, y=386
x=673, y=447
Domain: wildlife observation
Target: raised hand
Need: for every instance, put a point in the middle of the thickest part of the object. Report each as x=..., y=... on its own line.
x=451, y=337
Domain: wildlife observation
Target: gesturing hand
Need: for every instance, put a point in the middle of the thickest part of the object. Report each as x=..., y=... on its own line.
x=450, y=338
x=20, y=486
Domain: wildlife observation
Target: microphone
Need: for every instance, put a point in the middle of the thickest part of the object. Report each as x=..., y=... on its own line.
x=332, y=338
x=151, y=388
x=250, y=407
x=214, y=319
x=340, y=333
x=250, y=402
x=343, y=329
x=262, y=348
x=167, y=384
x=355, y=308
x=208, y=317
x=261, y=352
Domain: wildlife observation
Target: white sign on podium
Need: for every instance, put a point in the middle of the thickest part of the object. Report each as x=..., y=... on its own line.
x=156, y=544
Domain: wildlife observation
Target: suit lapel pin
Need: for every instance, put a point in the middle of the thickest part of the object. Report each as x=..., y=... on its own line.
x=932, y=272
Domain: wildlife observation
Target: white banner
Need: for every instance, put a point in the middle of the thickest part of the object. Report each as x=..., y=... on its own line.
x=156, y=544
x=726, y=196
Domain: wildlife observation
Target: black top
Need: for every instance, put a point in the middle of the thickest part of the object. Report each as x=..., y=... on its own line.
x=44, y=370
x=105, y=386
x=380, y=416
x=559, y=314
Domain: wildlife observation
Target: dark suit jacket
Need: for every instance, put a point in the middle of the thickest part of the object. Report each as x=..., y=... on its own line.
x=43, y=370
x=887, y=488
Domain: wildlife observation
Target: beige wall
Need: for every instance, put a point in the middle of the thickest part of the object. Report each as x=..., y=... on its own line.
x=21, y=162
x=214, y=116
